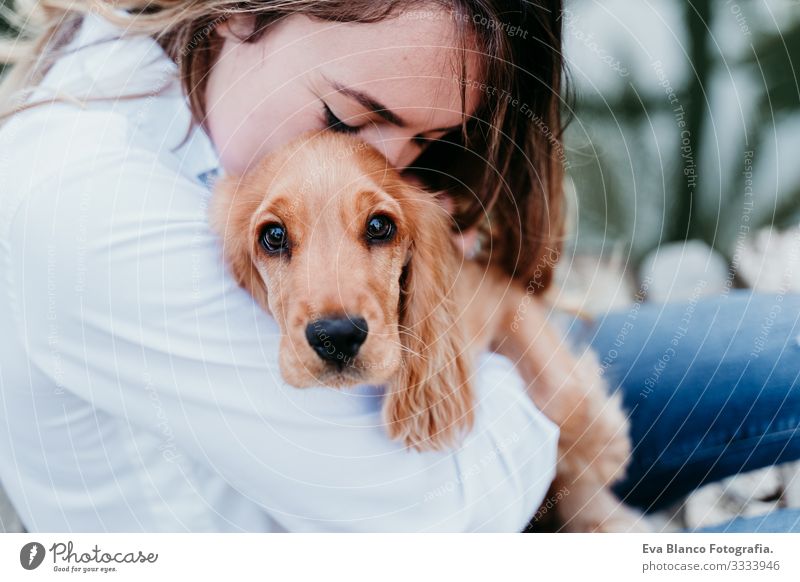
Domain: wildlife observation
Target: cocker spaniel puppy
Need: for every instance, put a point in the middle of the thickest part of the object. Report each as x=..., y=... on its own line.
x=360, y=271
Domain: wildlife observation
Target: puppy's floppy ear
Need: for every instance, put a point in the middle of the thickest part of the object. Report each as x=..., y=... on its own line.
x=232, y=207
x=431, y=403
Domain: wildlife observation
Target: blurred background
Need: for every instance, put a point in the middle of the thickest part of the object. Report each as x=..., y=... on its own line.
x=683, y=164
x=685, y=127
x=686, y=122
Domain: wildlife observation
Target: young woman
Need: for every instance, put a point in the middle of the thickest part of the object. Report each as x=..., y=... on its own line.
x=140, y=384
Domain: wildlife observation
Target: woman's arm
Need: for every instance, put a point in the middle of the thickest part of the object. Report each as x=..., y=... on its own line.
x=115, y=249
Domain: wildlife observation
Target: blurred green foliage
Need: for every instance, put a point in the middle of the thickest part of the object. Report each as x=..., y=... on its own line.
x=625, y=149
x=5, y=29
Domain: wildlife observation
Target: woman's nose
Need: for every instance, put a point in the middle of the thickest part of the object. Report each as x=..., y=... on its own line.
x=399, y=149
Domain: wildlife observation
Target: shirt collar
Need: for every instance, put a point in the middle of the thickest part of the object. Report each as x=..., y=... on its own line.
x=197, y=155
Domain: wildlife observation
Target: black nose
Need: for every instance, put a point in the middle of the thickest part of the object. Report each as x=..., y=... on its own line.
x=337, y=339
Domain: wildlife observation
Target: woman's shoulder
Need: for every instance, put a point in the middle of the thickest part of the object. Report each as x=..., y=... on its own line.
x=43, y=147
x=43, y=141
x=119, y=105
x=103, y=207
x=61, y=153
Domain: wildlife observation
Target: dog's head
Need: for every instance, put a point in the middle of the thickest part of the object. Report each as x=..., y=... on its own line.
x=357, y=267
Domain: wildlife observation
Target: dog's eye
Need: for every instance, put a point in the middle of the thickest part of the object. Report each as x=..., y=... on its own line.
x=380, y=228
x=274, y=238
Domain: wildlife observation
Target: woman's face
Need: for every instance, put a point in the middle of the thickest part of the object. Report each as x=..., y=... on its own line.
x=394, y=83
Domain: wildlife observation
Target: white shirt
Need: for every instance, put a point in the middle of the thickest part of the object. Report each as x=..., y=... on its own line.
x=139, y=384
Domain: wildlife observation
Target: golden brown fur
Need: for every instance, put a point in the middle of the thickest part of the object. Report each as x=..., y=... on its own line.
x=429, y=312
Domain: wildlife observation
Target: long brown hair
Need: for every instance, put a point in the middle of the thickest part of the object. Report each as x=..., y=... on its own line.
x=504, y=168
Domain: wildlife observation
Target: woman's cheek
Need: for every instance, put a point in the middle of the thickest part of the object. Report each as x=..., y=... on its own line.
x=258, y=128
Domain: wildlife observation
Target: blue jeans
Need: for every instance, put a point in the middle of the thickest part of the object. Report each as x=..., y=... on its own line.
x=781, y=521
x=712, y=388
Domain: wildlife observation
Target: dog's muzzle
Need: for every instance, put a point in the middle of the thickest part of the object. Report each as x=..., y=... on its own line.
x=337, y=339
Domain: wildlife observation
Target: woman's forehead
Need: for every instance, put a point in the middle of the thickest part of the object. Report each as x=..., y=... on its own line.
x=431, y=99
x=415, y=66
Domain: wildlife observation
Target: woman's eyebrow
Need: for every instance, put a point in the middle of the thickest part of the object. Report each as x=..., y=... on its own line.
x=374, y=106
x=369, y=103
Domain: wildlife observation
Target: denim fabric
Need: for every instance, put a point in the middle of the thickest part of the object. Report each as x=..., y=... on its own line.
x=782, y=521
x=712, y=387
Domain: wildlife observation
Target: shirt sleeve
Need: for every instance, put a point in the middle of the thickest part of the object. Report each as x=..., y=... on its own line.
x=116, y=269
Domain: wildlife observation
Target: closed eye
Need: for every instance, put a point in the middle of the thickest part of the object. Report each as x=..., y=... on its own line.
x=336, y=124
